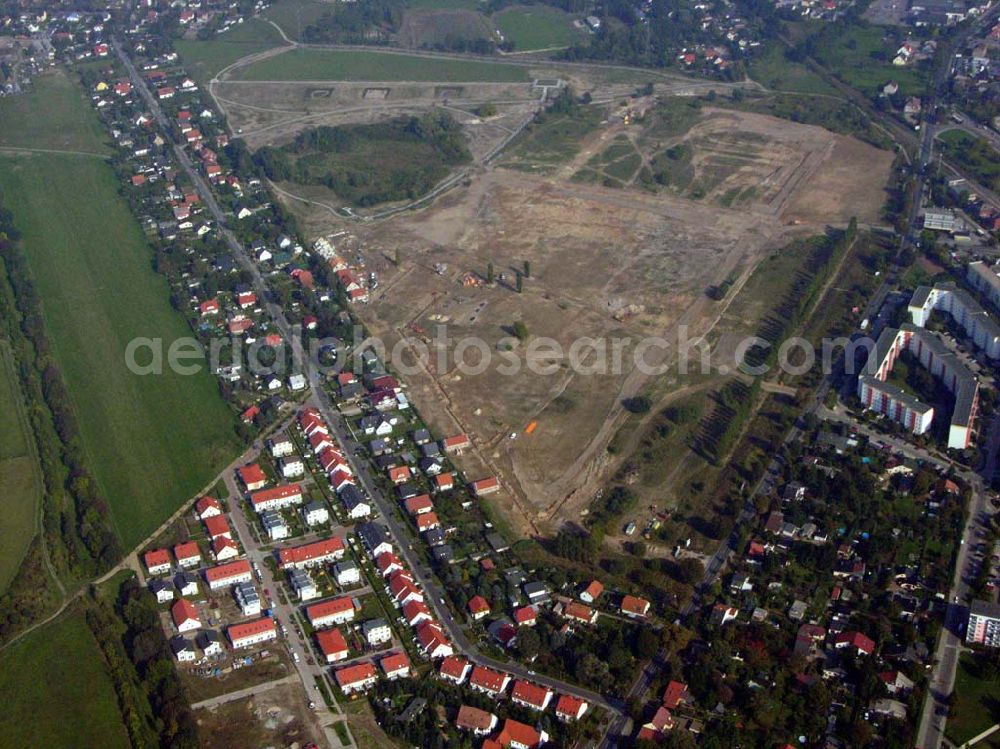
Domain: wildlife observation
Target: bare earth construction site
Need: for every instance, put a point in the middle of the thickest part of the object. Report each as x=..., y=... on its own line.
x=624, y=226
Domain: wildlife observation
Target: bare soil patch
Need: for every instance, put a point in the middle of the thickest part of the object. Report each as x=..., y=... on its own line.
x=606, y=264
x=276, y=717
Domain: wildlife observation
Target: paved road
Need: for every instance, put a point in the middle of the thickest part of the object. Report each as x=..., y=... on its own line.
x=941, y=681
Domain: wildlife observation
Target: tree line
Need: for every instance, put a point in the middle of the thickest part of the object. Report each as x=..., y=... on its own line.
x=151, y=697
x=76, y=523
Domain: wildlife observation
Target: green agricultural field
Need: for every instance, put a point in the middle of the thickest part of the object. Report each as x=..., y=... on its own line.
x=537, y=27
x=151, y=441
x=770, y=68
x=204, y=60
x=293, y=16
x=56, y=693
x=445, y=4
x=68, y=124
x=336, y=65
x=20, y=482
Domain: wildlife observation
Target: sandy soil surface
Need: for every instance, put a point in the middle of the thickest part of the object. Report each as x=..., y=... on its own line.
x=276, y=717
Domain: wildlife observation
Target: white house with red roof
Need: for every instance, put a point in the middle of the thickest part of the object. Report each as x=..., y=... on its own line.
x=207, y=507
x=530, y=695
x=332, y=644
x=456, y=444
x=479, y=607
x=185, y=616
x=859, y=642
x=311, y=554
x=427, y=521
x=416, y=612
x=218, y=527
x=517, y=735
x=570, y=708
x=209, y=307
x=577, y=612
x=634, y=607
x=484, y=486
x=231, y=573
x=443, y=482
x=419, y=504
x=493, y=683
x=432, y=641
x=592, y=592
x=334, y=611
x=224, y=549
x=395, y=666
x=157, y=561
x=276, y=498
x=454, y=669
x=253, y=477
x=356, y=678
x=388, y=563
x=525, y=616
x=187, y=554
x=252, y=633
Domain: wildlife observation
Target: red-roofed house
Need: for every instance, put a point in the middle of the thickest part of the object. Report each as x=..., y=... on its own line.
x=675, y=694
x=482, y=487
x=217, y=527
x=525, y=616
x=308, y=555
x=157, y=561
x=419, y=504
x=228, y=574
x=416, y=612
x=570, y=708
x=859, y=642
x=493, y=683
x=443, y=482
x=224, y=548
x=432, y=641
x=356, y=678
x=399, y=474
x=334, y=611
x=454, y=669
x=253, y=477
x=473, y=719
x=427, y=521
x=185, y=616
x=653, y=730
x=188, y=554
x=388, y=563
x=206, y=507
x=580, y=613
x=531, y=695
x=478, y=607
x=455, y=444
x=517, y=735
x=395, y=666
x=592, y=592
x=252, y=633
x=332, y=644
x=634, y=607
x=277, y=498
x=246, y=299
